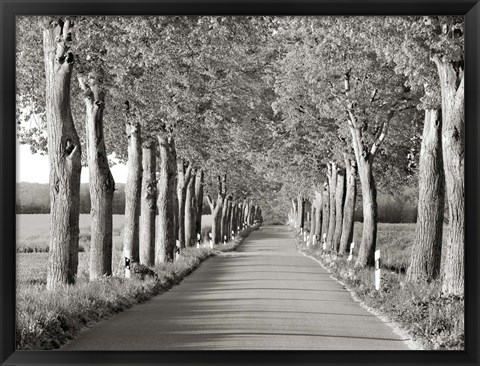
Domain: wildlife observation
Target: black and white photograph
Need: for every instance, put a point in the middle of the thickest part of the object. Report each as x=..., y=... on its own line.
x=227, y=182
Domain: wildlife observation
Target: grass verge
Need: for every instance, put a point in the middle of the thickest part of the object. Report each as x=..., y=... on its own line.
x=435, y=322
x=46, y=320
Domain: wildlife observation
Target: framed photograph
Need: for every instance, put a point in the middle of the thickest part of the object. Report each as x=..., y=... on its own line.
x=242, y=182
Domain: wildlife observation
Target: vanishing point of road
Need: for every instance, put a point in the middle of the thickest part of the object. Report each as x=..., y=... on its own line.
x=264, y=296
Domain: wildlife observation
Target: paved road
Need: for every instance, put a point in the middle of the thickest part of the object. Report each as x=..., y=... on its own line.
x=263, y=296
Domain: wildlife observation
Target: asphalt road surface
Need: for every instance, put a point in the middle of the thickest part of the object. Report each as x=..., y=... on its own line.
x=263, y=296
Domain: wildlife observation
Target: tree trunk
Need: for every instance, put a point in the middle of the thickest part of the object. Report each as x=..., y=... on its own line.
x=227, y=220
x=199, y=200
x=165, y=241
x=294, y=213
x=339, y=202
x=427, y=250
x=223, y=220
x=233, y=218
x=101, y=183
x=332, y=174
x=216, y=209
x=312, y=221
x=349, y=209
x=183, y=177
x=190, y=213
x=133, y=189
x=318, y=217
x=301, y=212
x=64, y=155
x=366, y=252
x=325, y=211
x=148, y=203
x=453, y=149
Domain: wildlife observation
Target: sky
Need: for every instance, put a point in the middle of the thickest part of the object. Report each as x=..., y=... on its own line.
x=34, y=168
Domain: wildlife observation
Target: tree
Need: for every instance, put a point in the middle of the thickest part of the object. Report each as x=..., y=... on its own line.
x=349, y=208
x=165, y=240
x=101, y=182
x=434, y=61
x=216, y=208
x=148, y=202
x=426, y=256
x=191, y=211
x=131, y=244
x=64, y=155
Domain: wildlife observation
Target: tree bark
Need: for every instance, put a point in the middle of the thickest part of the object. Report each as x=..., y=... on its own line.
x=239, y=217
x=233, y=219
x=251, y=215
x=427, y=250
x=223, y=220
x=349, y=208
x=318, y=217
x=325, y=210
x=148, y=203
x=453, y=149
x=366, y=253
x=133, y=189
x=183, y=177
x=199, y=200
x=216, y=209
x=64, y=154
x=312, y=221
x=101, y=183
x=300, y=212
x=166, y=237
x=339, y=203
x=190, y=212
x=332, y=174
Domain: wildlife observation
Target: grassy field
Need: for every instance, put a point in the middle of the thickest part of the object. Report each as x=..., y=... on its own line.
x=394, y=241
x=32, y=246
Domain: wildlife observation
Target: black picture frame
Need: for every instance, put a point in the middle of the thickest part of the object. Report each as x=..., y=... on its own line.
x=10, y=8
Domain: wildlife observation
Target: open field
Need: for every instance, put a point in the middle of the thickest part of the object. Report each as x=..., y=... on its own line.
x=32, y=245
x=394, y=241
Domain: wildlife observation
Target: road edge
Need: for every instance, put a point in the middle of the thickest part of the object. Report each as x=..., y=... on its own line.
x=385, y=319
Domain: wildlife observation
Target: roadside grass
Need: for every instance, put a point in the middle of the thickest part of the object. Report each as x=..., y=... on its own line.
x=433, y=320
x=46, y=320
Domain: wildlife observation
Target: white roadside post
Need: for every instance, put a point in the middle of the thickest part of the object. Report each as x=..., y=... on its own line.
x=198, y=240
x=350, y=256
x=224, y=240
x=233, y=235
x=324, y=241
x=128, y=273
x=211, y=242
x=377, y=269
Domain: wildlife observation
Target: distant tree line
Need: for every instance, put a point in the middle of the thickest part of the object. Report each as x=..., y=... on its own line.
x=33, y=198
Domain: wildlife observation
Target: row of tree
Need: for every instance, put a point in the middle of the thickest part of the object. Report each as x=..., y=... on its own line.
x=364, y=80
x=173, y=188
x=288, y=107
